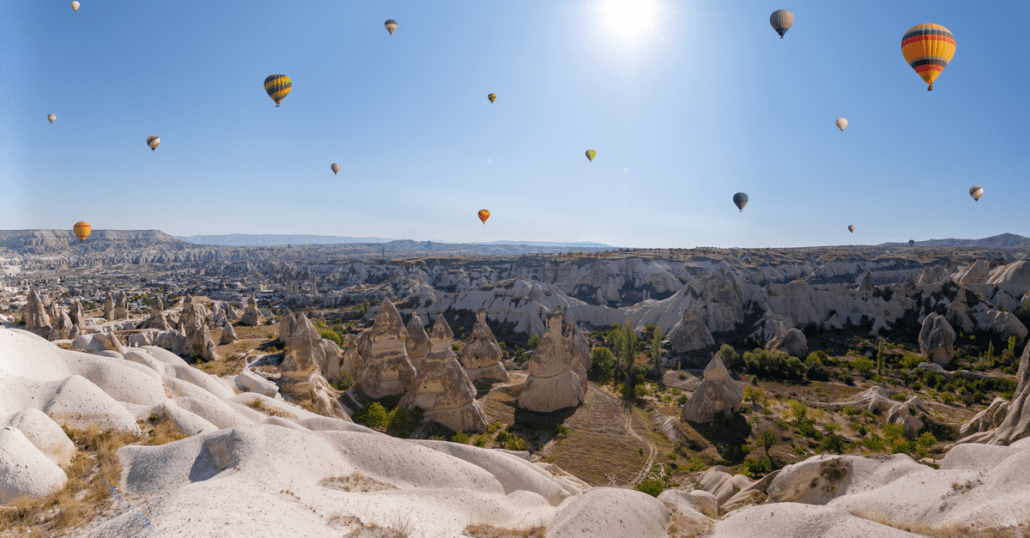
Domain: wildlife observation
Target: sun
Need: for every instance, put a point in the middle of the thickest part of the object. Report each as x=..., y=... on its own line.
x=629, y=17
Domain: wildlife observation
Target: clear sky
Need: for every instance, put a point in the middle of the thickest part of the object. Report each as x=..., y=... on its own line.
x=686, y=103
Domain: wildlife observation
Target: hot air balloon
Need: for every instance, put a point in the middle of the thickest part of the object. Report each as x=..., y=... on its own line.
x=391, y=25
x=911, y=242
x=740, y=200
x=75, y=7
x=483, y=215
x=928, y=48
x=153, y=142
x=851, y=228
x=842, y=123
x=335, y=167
x=976, y=192
x=781, y=21
x=82, y=229
x=492, y=97
x=591, y=154
x=51, y=117
x=277, y=87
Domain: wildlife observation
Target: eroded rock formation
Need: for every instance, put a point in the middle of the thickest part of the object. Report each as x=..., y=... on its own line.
x=481, y=356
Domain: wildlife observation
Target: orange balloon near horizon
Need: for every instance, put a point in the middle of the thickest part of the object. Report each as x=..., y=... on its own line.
x=483, y=215
x=82, y=230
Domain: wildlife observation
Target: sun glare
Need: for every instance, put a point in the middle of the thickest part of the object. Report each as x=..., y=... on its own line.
x=629, y=17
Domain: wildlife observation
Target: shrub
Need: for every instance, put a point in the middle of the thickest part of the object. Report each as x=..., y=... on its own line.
x=602, y=364
x=730, y=357
x=833, y=443
x=653, y=488
x=346, y=381
x=400, y=423
x=372, y=415
x=331, y=335
x=517, y=443
x=753, y=395
x=863, y=365
x=850, y=411
x=948, y=398
x=460, y=437
x=640, y=391
x=455, y=347
x=798, y=410
x=534, y=340
x=501, y=438
x=560, y=430
x=899, y=397
x=774, y=364
x=874, y=443
x=480, y=441
x=815, y=370
x=682, y=400
x=755, y=467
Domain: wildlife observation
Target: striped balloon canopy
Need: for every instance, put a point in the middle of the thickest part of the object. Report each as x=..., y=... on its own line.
x=391, y=25
x=928, y=48
x=81, y=230
x=851, y=228
x=976, y=192
x=153, y=141
x=781, y=21
x=277, y=86
x=492, y=97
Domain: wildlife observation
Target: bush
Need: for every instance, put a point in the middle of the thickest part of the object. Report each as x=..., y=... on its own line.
x=682, y=400
x=849, y=411
x=815, y=371
x=602, y=364
x=754, y=395
x=346, y=381
x=534, y=340
x=899, y=397
x=460, y=437
x=517, y=443
x=560, y=430
x=833, y=443
x=774, y=364
x=372, y=415
x=755, y=467
x=653, y=488
x=640, y=391
x=400, y=423
x=331, y=335
x=480, y=441
x=730, y=357
x=874, y=443
x=863, y=365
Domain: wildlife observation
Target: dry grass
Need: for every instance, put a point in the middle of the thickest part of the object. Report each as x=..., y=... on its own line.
x=689, y=527
x=270, y=411
x=229, y=364
x=356, y=482
x=85, y=495
x=487, y=531
x=950, y=530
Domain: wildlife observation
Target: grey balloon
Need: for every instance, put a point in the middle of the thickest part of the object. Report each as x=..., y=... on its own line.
x=781, y=21
x=740, y=200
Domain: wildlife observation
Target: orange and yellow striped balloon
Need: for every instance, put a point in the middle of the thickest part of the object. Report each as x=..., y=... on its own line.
x=928, y=48
x=483, y=215
x=82, y=230
x=277, y=87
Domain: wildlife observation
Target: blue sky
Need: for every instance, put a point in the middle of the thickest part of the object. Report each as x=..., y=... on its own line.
x=703, y=101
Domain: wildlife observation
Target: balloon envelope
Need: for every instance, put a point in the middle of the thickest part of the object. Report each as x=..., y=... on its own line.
x=492, y=97
x=153, y=142
x=781, y=21
x=75, y=6
x=928, y=48
x=277, y=87
x=591, y=154
x=976, y=192
x=851, y=228
x=740, y=200
x=335, y=167
x=842, y=123
x=391, y=25
x=82, y=230
x=483, y=215
x=51, y=117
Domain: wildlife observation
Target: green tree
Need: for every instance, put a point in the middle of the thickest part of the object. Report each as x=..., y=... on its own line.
x=730, y=357
x=534, y=341
x=602, y=364
x=656, y=351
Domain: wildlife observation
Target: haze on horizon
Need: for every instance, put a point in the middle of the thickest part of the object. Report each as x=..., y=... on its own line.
x=691, y=105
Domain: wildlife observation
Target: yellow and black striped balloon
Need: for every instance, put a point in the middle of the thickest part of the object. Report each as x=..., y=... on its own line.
x=928, y=48
x=277, y=87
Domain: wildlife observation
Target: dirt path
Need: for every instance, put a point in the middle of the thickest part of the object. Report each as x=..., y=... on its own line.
x=628, y=426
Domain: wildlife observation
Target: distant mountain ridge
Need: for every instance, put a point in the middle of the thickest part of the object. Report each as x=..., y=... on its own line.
x=268, y=240
x=1005, y=240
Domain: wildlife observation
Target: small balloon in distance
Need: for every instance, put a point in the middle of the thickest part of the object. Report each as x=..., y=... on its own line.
x=82, y=230
x=278, y=87
x=842, y=123
x=492, y=97
x=51, y=117
x=483, y=215
x=335, y=168
x=153, y=141
x=781, y=21
x=391, y=25
x=740, y=200
x=75, y=6
x=591, y=154
x=976, y=192
x=851, y=228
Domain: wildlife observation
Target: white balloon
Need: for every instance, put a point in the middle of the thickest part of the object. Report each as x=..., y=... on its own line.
x=842, y=123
